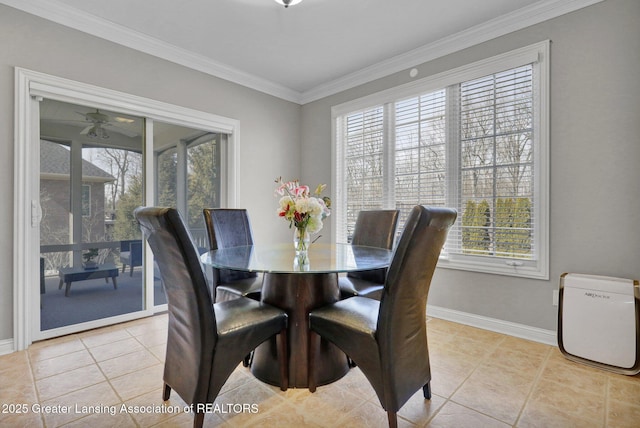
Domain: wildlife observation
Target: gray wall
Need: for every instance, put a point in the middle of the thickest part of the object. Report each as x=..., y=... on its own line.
x=595, y=158
x=595, y=147
x=270, y=134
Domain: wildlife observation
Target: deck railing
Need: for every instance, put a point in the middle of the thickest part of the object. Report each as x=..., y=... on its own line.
x=61, y=255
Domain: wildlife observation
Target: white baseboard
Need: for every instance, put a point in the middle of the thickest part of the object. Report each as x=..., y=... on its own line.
x=535, y=334
x=6, y=346
x=547, y=337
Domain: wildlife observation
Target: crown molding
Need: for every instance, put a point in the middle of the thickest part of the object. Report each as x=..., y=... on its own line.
x=505, y=24
x=61, y=13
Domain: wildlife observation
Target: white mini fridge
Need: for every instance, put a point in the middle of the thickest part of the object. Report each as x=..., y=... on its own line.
x=599, y=322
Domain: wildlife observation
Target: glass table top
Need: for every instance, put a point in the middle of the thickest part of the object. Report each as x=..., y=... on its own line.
x=281, y=258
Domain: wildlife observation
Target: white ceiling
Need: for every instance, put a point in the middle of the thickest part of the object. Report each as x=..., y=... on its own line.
x=307, y=51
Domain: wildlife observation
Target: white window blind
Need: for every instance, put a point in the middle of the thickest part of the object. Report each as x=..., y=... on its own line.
x=477, y=145
x=496, y=146
x=420, y=152
x=364, y=153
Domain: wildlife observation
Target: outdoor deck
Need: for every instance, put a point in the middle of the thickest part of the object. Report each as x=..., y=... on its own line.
x=92, y=299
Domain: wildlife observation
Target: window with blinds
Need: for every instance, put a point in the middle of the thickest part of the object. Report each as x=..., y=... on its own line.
x=364, y=152
x=478, y=145
x=419, y=152
x=496, y=155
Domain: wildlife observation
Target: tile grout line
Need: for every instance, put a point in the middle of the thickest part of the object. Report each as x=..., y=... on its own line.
x=107, y=379
x=450, y=397
x=447, y=399
x=146, y=348
x=35, y=387
x=84, y=347
x=482, y=360
x=38, y=396
x=605, y=417
x=534, y=384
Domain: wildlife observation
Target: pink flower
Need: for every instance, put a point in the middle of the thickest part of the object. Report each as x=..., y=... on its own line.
x=301, y=191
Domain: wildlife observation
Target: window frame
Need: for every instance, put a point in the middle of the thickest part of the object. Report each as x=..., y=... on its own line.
x=536, y=54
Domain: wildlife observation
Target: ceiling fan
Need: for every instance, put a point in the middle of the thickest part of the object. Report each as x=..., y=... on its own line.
x=100, y=120
x=71, y=121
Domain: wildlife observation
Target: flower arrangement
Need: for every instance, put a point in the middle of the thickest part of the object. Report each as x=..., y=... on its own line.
x=301, y=210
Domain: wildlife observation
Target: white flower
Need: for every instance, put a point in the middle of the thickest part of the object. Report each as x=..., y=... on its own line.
x=314, y=207
x=303, y=205
x=314, y=225
x=284, y=202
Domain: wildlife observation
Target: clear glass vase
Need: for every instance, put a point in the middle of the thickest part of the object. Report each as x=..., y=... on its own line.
x=301, y=241
x=301, y=263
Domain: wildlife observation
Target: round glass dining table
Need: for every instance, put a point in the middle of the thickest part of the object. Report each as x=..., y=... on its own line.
x=299, y=284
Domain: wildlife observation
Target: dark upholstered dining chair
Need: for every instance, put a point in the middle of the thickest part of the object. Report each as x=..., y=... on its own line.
x=130, y=254
x=230, y=228
x=205, y=341
x=387, y=339
x=374, y=228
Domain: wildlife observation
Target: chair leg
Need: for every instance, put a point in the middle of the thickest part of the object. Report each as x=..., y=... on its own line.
x=284, y=359
x=246, y=362
x=166, y=392
x=198, y=420
x=314, y=347
x=426, y=391
x=393, y=419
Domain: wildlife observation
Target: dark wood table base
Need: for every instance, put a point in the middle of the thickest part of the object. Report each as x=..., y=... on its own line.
x=298, y=294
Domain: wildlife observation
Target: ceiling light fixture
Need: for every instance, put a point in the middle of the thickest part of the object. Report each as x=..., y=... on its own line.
x=287, y=3
x=103, y=134
x=98, y=131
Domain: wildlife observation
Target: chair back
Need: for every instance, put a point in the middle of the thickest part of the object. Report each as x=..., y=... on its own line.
x=136, y=253
x=375, y=228
x=228, y=227
x=125, y=245
x=192, y=329
x=402, y=331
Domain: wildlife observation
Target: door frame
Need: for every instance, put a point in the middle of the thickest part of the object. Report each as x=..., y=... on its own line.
x=30, y=88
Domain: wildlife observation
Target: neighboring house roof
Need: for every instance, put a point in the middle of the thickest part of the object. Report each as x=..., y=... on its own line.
x=55, y=160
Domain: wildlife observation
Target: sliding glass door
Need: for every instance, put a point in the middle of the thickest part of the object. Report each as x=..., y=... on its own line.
x=86, y=157
x=188, y=164
x=91, y=180
x=188, y=173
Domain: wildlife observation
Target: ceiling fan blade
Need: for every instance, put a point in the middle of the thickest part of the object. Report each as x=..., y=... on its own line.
x=84, y=115
x=94, y=117
x=86, y=130
x=67, y=122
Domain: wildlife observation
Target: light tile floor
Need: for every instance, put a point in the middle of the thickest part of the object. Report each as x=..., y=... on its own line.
x=113, y=377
